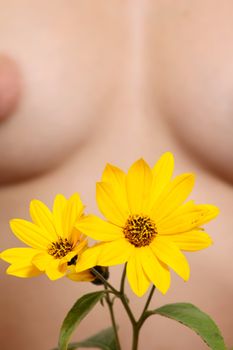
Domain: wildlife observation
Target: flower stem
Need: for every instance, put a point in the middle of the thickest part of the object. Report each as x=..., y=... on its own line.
x=135, y=337
x=122, y=288
x=105, y=282
x=127, y=309
x=109, y=302
x=142, y=317
x=136, y=324
x=114, y=325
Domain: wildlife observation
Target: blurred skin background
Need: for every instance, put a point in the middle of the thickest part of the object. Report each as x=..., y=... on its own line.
x=85, y=82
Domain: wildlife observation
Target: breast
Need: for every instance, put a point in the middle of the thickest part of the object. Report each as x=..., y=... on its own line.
x=74, y=67
x=193, y=79
x=65, y=64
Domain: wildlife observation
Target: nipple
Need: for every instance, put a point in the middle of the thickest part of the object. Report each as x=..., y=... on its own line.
x=9, y=86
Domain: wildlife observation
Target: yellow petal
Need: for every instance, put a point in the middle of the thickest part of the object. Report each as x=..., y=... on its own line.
x=98, y=229
x=186, y=218
x=51, y=266
x=156, y=271
x=76, y=237
x=169, y=254
x=84, y=276
x=22, y=270
x=173, y=196
x=114, y=253
x=59, y=206
x=209, y=212
x=89, y=257
x=192, y=241
x=81, y=245
x=105, y=254
x=117, y=178
x=180, y=220
x=30, y=234
x=68, y=257
x=21, y=260
x=111, y=204
x=42, y=260
x=137, y=278
x=17, y=255
x=162, y=173
x=43, y=218
x=138, y=185
x=77, y=250
x=183, y=209
x=114, y=176
x=54, y=271
x=73, y=211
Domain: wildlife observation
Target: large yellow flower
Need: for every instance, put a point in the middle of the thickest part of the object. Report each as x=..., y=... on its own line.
x=55, y=243
x=147, y=224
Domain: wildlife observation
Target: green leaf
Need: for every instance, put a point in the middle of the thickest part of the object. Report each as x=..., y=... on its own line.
x=105, y=340
x=192, y=317
x=76, y=314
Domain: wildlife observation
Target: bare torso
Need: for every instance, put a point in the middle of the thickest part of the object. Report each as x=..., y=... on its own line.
x=111, y=82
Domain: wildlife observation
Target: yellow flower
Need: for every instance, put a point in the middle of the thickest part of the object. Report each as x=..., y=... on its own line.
x=55, y=244
x=147, y=224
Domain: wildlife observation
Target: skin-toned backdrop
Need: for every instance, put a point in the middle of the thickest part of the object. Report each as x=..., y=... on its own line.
x=85, y=83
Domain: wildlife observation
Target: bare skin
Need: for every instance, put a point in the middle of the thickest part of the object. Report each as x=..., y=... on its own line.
x=111, y=82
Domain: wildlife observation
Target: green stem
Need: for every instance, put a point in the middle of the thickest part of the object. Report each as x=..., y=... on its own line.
x=109, y=302
x=136, y=324
x=105, y=282
x=123, y=298
x=114, y=325
x=127, y=309
x=122, y=288
x=142, y=317
x=135, y=337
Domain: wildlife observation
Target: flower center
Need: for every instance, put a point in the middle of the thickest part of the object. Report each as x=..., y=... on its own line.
x=60, y=248
x=139, y=230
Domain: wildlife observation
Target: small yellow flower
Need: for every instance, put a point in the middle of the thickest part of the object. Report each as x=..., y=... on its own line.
x=148, y=223
x=55, y=243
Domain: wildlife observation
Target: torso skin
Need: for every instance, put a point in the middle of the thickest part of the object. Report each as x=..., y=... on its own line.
x=112, y=81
